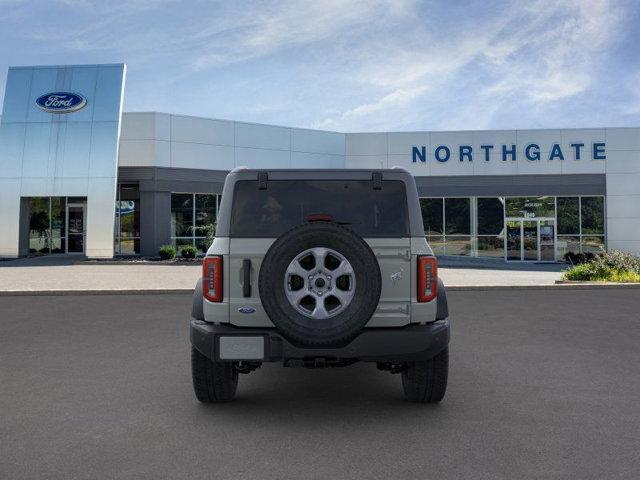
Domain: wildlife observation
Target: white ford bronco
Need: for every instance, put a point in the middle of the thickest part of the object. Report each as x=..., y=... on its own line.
x=319, y=268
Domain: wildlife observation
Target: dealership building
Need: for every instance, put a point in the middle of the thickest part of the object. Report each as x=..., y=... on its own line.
x=79, y=176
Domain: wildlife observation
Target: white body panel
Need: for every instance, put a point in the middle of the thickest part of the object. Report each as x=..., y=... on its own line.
x=397, y=306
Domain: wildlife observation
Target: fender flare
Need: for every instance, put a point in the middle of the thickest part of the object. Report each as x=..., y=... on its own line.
x=443, y=306
x=197, y=310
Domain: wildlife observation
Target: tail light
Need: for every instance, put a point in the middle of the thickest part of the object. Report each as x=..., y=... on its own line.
x=427, y=278
x=212, y=278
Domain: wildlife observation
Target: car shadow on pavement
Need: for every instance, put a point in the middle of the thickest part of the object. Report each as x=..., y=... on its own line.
x=359, y=393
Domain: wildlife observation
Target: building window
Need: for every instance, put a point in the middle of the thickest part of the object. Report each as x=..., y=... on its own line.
x=127, y=226
x=490, y=227
x=447, y=223
x=193, y=219
x=592, y=215
x=457, y=219
x=530, y=207
x=475, y=226
x=54, y=228
x=40, y=235
x=581, y=223
x=568, y=216
x=432, y=215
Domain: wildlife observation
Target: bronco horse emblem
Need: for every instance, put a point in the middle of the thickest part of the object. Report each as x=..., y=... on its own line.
x=396, y=276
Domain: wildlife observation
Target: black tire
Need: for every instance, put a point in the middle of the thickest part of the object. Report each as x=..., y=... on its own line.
x=426, y=382
x=213, y=382
x=335, y=330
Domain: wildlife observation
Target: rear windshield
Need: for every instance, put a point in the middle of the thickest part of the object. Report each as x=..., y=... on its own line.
x=285, y=204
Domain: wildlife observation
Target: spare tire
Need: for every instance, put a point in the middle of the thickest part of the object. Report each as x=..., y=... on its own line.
x=319, y=284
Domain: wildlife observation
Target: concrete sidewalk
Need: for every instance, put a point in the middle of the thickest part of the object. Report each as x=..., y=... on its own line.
x=65, y=274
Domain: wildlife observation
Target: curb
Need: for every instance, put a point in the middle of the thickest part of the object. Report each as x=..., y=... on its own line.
x=559, y=285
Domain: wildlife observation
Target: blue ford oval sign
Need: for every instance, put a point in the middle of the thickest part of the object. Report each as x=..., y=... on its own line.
x=246, y=310
x=61, y=102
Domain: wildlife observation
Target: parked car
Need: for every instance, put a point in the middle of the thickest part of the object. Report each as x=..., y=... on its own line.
x=320, y=268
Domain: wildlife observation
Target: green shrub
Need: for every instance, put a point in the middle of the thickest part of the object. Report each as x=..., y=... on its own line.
x=607, y=267
x=167, y=252
x=188, y=251
x=617, y=260
x=582, y=271
x=624, y=277
x=208, y=230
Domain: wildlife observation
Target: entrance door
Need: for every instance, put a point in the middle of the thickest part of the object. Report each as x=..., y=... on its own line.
x=75, y=227
x=514, y=240
x=547, y=240
x=530, y=240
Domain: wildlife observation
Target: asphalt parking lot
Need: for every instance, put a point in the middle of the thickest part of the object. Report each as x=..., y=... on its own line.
x=543, y=384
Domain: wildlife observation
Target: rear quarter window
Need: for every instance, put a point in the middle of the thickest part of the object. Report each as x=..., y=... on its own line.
x=285, y=204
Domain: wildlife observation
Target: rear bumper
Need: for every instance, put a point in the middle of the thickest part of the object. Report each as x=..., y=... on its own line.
x=392, y=345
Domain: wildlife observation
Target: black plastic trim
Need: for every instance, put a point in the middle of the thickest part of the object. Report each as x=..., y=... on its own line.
x=246, y=277
x=376, y=177
x=197, y=310
x=394, y=345
x=443, y=305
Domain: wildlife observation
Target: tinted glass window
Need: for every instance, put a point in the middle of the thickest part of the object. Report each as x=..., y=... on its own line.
x=530, y=207
x=457, y=214
x=181, y=214
x=205, y=210
x=490, y=216
x=568, y=216
x=285, y=204
x=432, y=213
x=593, y=215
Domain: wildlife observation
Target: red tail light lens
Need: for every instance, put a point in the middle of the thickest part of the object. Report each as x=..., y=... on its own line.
x=212, y=279
x=427, y=278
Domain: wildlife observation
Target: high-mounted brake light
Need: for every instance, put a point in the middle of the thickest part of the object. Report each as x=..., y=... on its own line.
x=212, y=278
x=427, y=278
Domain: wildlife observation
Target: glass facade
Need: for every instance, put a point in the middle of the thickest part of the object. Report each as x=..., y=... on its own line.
x=127, y=227
x=54, y=222
x=193, y=216
x=581, y=223
x=490, y=227
x=541, y=228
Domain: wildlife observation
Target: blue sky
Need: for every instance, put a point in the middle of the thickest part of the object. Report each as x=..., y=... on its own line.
x=350, y=65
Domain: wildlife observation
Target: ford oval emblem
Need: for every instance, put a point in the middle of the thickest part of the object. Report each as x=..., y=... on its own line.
x=61, y=102
x=247, y=310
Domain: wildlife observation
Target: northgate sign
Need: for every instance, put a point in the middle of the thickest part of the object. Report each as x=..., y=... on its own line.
x=532, y=152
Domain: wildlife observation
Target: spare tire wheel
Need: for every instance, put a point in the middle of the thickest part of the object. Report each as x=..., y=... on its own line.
x=319, y=284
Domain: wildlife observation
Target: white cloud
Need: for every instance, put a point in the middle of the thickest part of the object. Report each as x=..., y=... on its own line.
x=352, y=64
x=398, y=98
x=252, y=34
x=541, y=53
x=550, y=57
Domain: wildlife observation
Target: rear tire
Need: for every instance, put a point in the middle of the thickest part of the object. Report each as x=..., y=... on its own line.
x=426, y=382
x=213, y=382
